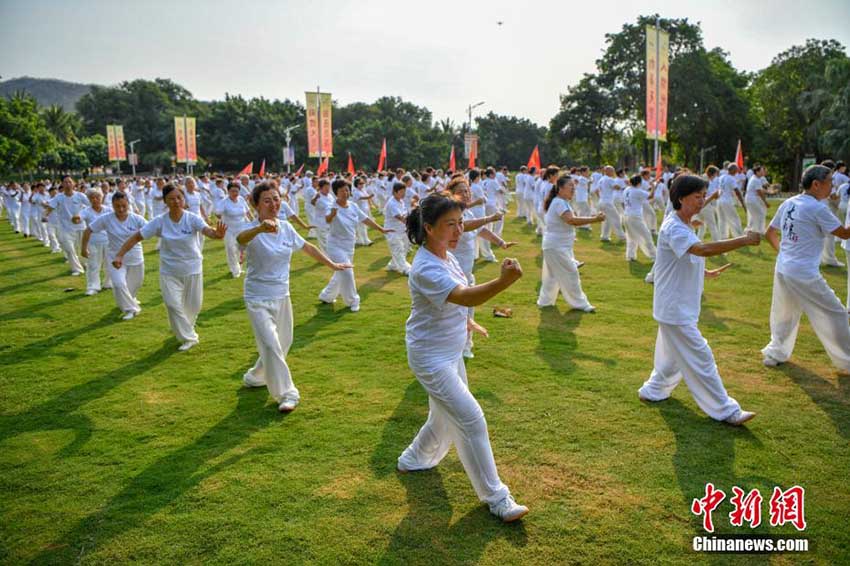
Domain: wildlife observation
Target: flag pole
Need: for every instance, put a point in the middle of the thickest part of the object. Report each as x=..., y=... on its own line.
x=319, y=112
x=657, y=81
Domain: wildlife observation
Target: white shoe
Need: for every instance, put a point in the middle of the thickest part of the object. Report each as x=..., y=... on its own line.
x=579, y=264
x=355, y=307
x=467, y=353
x=250, y=380
x=770, y=362
x=287, y=405
x=76, y=273
x=129, y=316
x=589, y=308
x=508, y=510
x=740, y=417
x=91, y=292
x=187, y=345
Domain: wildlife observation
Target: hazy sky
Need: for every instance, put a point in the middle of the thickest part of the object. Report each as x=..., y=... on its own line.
x=437, y=53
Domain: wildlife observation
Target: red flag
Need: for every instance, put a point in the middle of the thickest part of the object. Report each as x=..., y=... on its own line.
x=452, y=163
x=382, y=160
x=534, y=160
x=473, y=153
x=658, y=167
x=739, y=157
x=247, y=170
x=323, y=167
x=262, y=172
x=298, y=173
x=350, y=164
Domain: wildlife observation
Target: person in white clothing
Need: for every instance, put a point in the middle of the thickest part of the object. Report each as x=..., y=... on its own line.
x=119, y=225
x=180, y=262
x=494, y=194
x=832, y=202
x=395, y=216
x=581, y=195
x=269, y=243
x=322, y=203
x=680, y=349
x=560, y=271
x=342, y=219
x=53, y=225
x=798, y=286
x=530, y=182
x=756, y=201
x=235, y=213
x=363, y=199
x=607, y=188
x=729, y=222
x=69, y=206
x=435, y=336
x=708, y=216
x=637, y=233
x=95, y=251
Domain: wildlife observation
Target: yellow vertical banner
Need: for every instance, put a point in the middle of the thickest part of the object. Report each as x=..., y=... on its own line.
x=119, y=143
x=191, y=143
x=326, y=109
x=312, y=124
x=112, y=148
x=657, y=77
x=180, y=138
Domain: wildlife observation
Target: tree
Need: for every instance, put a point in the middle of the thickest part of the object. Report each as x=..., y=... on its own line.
x=587, y=113
x=24, y=137
x=507, y=140
x=63, y=125
x=95, y=149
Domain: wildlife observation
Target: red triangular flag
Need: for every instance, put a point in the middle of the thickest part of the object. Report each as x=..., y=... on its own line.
x=297, y=173
x=473, y=153
x=534, y=160
x=247, y=170
x=739, y=157
x=262, y=172
x=323, y=167
x=350, y=164
x=382, y=160
x=452, y=163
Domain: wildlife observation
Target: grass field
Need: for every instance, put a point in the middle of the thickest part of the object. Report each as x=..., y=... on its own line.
x=116, y=448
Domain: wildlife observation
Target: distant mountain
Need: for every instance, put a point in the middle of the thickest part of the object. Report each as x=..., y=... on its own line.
x=46, y=91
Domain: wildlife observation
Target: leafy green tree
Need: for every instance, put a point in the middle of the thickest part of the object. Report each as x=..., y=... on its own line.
x=587, y=114
x=63, y=125
x=24, y=137
x=95, y=149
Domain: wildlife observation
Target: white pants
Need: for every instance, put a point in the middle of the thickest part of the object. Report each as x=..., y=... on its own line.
x=322, y=238
x=70, y=242
x=520, y=206
x=583, y=209
x=728, y=220
x=272, y=324
x=342, y=282
x=708, y=217
x=561, y=274
x=612, y=221
x=362, y=235
x=398, y=253
x=310, y=210
x=638, y=236
x=95, y=263
x=53, y=236
x=232, y=251
x=529, y=211
x=294, y=203
x=681, y=351
x=140, y=207
x=182, y=297
x=827, y=255
x=828, y=317
x=756, y=217
x=495, y=227
x=455, y=417
x=649, y=217
x=126, y=282
x=14, y=214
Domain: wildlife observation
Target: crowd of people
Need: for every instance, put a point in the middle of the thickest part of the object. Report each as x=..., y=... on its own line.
x=447, y=220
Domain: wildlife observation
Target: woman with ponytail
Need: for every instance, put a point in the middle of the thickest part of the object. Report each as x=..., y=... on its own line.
x=560, y=272
x=435, y=337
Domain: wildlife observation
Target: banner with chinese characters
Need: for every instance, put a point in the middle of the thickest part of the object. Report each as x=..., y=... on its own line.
x=115, y=142
x=657, y=74
x=319, y=123
x=191, y=141
x=184, y=139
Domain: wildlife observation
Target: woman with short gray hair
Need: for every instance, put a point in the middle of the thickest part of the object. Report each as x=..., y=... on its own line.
x=95, y=254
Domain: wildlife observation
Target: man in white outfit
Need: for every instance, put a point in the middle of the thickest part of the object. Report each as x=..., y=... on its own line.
x=756, y=201
x=680, y=350
x=728, y=219
x=798, y=286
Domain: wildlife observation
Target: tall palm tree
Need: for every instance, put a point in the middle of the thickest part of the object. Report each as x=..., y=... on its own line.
x=60, y=123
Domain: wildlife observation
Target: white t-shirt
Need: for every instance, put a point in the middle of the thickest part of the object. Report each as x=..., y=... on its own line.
x=728, y=184
x=713, y=187
x=343, y=228
x=493, y=191
x=634, y=197
x=679, y=275
x=581, y=188
x=193, y=201
x=804, y=222
x=465, y=250
x=323, y=207
x=391, y=210
x=285, y=211
x=180, y=250
x=558, y=234
x=89, y=216
x=117, y=233
x=607, y=190
x=233, y=214
x=753, y=185
x=267, y=260
x=435, y=329
x=67, y=207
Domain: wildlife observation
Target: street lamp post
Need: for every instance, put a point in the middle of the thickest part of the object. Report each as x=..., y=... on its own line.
x=469, y=109
x=702, y=153
x=288, y=132
x=133, y=155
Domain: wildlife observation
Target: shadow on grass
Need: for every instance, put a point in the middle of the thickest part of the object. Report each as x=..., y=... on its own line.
x=42, y=347
x=23, y=284
x=32, y=310
x=427, y=530
x=52, y=259
x=61, y=413
x=705, y=452
x=639, y=270
x=557, y=344
x=834, y=401
x=166, y=479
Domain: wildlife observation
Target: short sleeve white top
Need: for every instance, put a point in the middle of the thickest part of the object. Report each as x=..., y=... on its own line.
x=267, y=259
x=180, y=250
x=679, y=275
x=804, y=222
x=558, y=234
x=118, y=232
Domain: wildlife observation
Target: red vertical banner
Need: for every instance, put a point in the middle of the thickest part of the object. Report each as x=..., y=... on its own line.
x=452, y=160
x=110, y=142
x=180, y=139
x=119, y=143
x=657, y=77
x=382, y=159
x=312, y=124
x=191, y=147
x=350, y=168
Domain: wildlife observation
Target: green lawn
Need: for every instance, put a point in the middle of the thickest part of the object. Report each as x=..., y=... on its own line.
x=116, y=448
